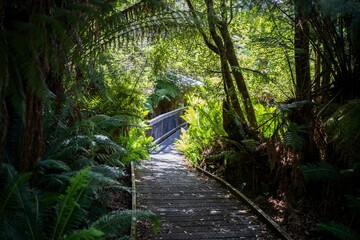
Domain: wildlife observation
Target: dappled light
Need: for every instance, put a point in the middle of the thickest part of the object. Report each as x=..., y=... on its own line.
x=189, y=205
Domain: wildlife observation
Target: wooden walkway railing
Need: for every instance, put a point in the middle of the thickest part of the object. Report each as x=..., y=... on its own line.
x=166, y=124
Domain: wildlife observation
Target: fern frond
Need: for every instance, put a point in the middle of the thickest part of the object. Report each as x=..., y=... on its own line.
x=85, y=234
x=54, y=165
x=354, y=204
x=71, y=205
x=319, y=171
x=250, y=144
x=16, y=199
x=104, y=122
x=117, y=224
x=338, y=230
x=106, y=170
x=52, y=182
x=344, y=124
x=293, y=138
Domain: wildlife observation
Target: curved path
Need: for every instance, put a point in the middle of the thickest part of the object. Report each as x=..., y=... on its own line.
x=190, y=205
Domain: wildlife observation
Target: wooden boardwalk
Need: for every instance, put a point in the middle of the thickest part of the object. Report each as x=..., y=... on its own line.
x=190, y=205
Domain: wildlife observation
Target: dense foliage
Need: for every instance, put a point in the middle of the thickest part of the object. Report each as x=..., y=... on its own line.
x=276, y=112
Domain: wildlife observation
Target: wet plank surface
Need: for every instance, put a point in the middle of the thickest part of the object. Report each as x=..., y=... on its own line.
x=190, y=205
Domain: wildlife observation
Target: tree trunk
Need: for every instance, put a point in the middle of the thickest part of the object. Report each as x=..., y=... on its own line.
x=302, y=54
x=229, y=87
x=32, y=142
x=238, y=76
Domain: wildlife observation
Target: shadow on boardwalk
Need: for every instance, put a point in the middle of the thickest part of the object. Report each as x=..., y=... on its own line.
x=190, y=205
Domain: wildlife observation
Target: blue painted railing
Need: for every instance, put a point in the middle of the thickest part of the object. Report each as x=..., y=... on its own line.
x=166, y=124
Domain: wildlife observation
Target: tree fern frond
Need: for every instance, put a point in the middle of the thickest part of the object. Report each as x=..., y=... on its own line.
x=294, y=105
x=16, y=199
x=121, y=188
x=9, y=196
x=85, y=234
x=345, y=122
x=54, y=165
x=293, y=137
x=55, y=181
x=143, y=8
x=117, y=224
x=250, y=144
x=354, y=204
x=106, y=170
x=105, y=122
x=319, y=171
x=71, y=205
x=100, y=181
x=338, y=230
x=10, y=230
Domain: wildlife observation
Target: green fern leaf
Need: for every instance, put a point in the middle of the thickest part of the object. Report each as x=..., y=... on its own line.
x=319, y=171
x=71, y=204
x=354, y=204
x=293, y=138
x=50, y=164
x=338, y=230
x=16, y=199
x=117, y=224
x=85, y=234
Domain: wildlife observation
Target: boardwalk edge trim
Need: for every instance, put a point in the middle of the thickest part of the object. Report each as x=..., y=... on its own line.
x=270, y=222
x=133, y=202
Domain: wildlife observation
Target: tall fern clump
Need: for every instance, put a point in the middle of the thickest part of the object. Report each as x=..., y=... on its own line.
x=204, y=131
x=339, y=172
x=29, y=213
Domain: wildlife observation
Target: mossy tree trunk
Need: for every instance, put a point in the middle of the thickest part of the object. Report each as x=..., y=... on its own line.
x=219, y=41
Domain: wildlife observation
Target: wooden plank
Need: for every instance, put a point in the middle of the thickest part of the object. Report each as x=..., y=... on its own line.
x=276, y=227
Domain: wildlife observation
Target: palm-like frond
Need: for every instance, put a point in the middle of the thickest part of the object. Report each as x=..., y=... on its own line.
x=344, y=128
x=72, y=205
x=354, y=204
x=54, y=165
x=118, y=223
x=345, y=122
x=293, y=138
x=319, y=171
x=16, y=199
x=338, y=230
x=106, y=170
x=85, y=234
x=280, y=119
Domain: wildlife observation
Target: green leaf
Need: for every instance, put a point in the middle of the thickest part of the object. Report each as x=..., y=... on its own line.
x=85, y=234
x=71, y=205
x=117, y=224
x=338, y=230
x=319, y=172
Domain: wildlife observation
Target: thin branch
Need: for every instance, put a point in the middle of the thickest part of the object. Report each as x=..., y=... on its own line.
x=207, y=41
